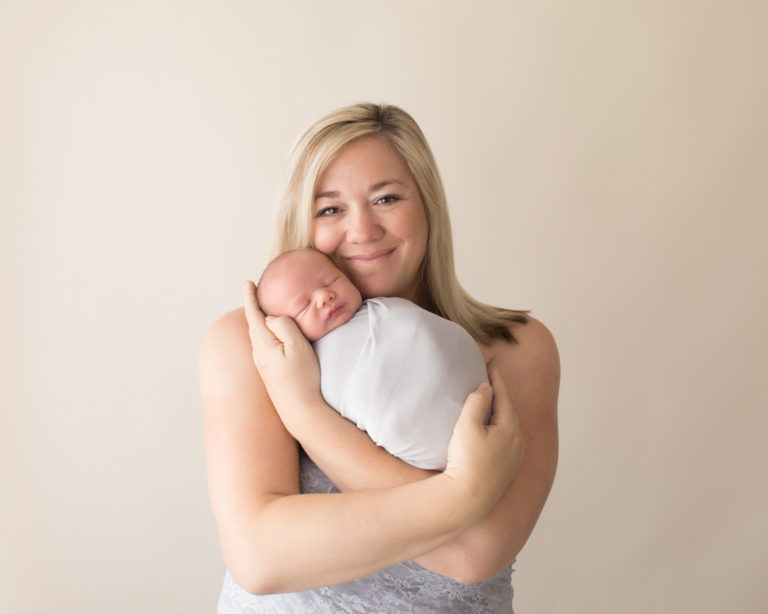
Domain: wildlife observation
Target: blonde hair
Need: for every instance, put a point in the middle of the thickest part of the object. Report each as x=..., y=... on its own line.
x=317, y=148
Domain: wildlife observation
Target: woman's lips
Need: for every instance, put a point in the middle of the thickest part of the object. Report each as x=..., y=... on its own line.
x=369, y=257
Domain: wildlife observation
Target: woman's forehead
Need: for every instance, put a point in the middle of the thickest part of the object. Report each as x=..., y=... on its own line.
x=368, y=163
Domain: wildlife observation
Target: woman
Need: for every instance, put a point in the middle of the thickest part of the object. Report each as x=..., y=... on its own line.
x=362, y=186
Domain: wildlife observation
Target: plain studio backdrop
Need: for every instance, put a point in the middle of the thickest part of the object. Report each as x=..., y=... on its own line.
x=605, y=163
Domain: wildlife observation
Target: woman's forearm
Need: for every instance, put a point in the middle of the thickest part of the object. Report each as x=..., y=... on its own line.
x=275, y=540
x=297, y=542
x=348, y=456
x=353, y=462
x=355, y=533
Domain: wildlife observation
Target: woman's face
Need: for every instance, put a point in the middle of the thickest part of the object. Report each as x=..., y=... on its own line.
x=369, y=217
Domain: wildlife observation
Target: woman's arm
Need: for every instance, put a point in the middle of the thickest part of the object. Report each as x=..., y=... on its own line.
x=275, y=540
x=530, y=373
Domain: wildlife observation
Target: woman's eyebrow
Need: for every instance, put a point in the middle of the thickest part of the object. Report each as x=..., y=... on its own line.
x=386, y=182
x=331, y=194
x=373, y=188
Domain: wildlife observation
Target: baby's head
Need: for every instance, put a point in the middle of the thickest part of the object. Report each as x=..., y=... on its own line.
x=305, y=285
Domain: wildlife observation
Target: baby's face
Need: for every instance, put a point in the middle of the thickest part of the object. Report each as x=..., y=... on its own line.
x=307, y=287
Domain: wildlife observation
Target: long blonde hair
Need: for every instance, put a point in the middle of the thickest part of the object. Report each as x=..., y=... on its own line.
x=312, y=154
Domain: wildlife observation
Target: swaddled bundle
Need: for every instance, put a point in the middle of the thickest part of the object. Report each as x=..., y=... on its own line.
x=401, y=374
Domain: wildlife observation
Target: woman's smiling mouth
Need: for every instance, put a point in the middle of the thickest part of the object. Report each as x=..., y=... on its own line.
x=363, y=258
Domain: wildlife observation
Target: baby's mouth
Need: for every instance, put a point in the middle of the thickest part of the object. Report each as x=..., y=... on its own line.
x=334, y=310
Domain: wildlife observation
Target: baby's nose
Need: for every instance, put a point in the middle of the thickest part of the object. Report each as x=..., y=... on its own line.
x=326, y=295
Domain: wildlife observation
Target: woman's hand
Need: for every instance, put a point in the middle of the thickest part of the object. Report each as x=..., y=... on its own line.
x=485, y=458
x=285, y=361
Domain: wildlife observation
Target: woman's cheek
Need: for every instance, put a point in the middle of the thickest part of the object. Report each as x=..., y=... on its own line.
x=321, y=242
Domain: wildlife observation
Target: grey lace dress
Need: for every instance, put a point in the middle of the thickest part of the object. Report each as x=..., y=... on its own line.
x=403, y=588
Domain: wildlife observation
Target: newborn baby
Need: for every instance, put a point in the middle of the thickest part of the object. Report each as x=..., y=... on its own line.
x=397, y=371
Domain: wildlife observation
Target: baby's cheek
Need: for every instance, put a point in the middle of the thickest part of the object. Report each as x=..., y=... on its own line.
x=303, y=328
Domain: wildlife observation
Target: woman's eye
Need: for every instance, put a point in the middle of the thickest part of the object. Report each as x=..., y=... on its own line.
x=327, y=212
x=387, y=200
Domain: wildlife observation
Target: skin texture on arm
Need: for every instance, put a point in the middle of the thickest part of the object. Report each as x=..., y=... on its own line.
x=275, y=540
x=530, y=372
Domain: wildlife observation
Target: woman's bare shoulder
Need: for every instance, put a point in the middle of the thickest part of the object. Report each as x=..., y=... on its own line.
x=535, y=345
x=531, y=367
x=226, y=327
x=225, y=351
x=227, y=332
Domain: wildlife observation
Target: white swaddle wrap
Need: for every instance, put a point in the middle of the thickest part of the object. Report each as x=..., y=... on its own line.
x=401, y=374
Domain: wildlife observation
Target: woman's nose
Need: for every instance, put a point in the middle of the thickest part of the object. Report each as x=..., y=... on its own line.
x=363, y=226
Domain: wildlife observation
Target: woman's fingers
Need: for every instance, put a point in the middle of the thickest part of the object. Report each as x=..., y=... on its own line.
x=285, y=360
x=486, y=457
x=504, y=418
x=260, y=335
x=285, y=330
x=476, y=406
x=503, y=413
x=251, y=304
x=467, y=447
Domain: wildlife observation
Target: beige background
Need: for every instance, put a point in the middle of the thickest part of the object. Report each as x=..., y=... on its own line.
x=606, y=167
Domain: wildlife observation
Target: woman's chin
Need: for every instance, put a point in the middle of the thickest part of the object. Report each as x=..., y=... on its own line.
x=373, y=286
x=387, y=291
